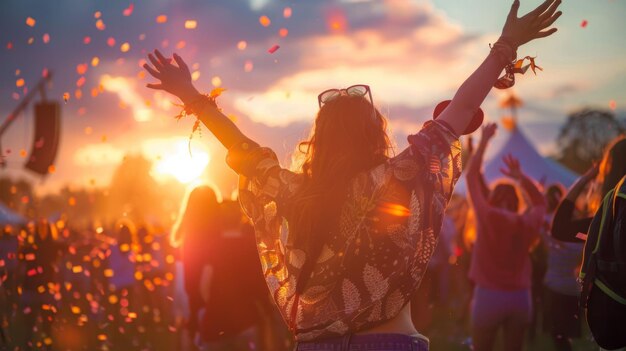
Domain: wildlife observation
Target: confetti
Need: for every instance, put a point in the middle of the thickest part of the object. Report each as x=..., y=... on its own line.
x=9, y=45
x=612, y=105
x=287, y=12
x=111, y=41
x=216, y=81
x=95, y=61
x=82, y=68
x=19, y=83
x=100, y=25
x=46, y=38
x=31, y=40
x=583, y=24
x=44, y=72
x=80, y=82
x=283, y=32
x=79, y=93
x=97, y=14
x=125, y=47
x=142, y=36
x=22, y=153
x=195, y=75
x=161, y=19
x=241, y=45
x=248, y=66
x=30, y=21
x=66, y=96
x=265, y=21
x=273, y=49
x=86, y=40
x=191, y=24
x=181, y=44
x=129, y=10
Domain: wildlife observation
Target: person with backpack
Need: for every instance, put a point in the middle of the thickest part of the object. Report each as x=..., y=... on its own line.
x=345, y=241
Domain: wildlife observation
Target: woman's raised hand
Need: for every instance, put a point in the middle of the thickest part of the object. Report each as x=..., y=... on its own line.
x=531, y=26
x=175, y=80
x=512, y=167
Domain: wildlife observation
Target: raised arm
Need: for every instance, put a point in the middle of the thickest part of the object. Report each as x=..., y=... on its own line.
x=516, y=32
x=177, y=81
x=474, y=175
x=564, y=227
x=513, y=170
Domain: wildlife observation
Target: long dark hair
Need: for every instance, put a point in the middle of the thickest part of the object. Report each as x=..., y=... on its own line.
x=349, y=136
x=613, y=166
x=199, y=211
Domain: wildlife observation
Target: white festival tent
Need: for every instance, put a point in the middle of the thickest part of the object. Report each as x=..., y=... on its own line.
x=540, y=168
x=9, y=217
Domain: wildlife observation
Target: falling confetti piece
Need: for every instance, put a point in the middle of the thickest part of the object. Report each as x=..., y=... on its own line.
x=241, y=45
x=161, y=19
x=612, y=105
x=191, y=24
x=265, y=21
x=125, y=47
x=111, y=41
x=287, y=12
x=129, y=10
x=44, y=72
x=100, y=25
x=583, y=24
x=102, y=337
x=216, y=81
x=86, y=40
x=22, y=153
x=31, y=40
x=97, y=14
x=79, y=93
x=9, y=45
x=19, y=83
x=248, y=66
x=81, y=68
x=46, y=38
x=195, y=75
x=66, y=96
x=283, y=32
x=80, y=82
x=95, y=61
x=181, y=44
x=30, y=21
x=273, y=49
x=142, y=36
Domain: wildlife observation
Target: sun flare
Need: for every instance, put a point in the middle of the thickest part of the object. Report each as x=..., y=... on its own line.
x=180, y=164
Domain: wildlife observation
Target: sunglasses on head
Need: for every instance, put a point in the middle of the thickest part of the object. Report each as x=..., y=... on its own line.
x=355, y=90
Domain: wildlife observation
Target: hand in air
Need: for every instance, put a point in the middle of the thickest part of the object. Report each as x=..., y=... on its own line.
x=531, y=26
x=488, y=131
x=175, y=80
x=512, y=167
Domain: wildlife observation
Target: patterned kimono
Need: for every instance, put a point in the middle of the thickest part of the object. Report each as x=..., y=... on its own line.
x=388, y=229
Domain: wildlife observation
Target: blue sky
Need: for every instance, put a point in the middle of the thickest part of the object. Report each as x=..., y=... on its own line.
x=412, y=53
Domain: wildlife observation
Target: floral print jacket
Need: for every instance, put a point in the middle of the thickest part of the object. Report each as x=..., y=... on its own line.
x=389, y=226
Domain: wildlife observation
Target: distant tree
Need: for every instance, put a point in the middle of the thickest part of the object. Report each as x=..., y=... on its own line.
x=585, y=135
x=133, y=191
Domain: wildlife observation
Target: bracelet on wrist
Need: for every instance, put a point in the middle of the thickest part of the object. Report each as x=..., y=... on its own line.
x=507, y=54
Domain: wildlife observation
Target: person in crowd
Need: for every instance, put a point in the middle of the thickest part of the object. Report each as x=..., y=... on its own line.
x=40, y=253
x=362, y=225
x=196, y=228
x=560, y=303
x=565, y=227
x=236, y=301
x=501, y=267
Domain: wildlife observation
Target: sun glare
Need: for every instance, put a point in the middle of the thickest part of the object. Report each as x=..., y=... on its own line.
x=179, y=164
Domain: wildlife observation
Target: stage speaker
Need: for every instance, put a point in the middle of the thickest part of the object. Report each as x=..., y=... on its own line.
x=47, y=135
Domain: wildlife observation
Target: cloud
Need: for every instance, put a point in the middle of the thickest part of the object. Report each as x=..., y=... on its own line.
x=98, y=155
x=125, y=89
x=414, y=57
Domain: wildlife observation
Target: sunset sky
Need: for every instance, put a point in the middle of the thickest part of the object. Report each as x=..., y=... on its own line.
x=412, y=53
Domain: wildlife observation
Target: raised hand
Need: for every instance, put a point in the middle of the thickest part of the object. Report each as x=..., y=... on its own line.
x=513, y=169
x=488, y=131
x=175, y=80
x=531, y=26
